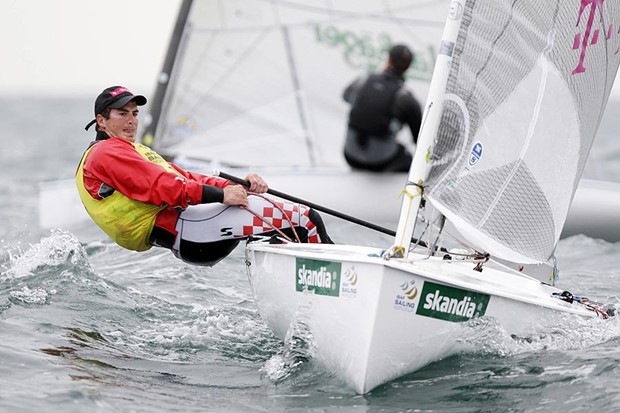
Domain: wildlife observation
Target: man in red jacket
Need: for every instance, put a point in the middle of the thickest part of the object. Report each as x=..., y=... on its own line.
x=140, y=200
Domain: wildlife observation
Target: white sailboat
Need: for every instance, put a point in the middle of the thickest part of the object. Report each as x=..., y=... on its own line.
x=517, y=94
x=256, y=85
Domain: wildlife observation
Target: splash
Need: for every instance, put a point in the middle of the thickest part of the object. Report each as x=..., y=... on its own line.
x=567, y=333
x=60, y=250
x=34, y=296
x=299, y=348
x=192, y=332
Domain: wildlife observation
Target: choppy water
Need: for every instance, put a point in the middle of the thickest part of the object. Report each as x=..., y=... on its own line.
x=88, y=326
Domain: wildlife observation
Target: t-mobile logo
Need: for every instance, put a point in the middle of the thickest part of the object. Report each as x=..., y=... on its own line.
x=590, y=37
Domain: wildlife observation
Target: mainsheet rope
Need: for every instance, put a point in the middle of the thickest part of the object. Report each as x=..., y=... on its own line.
x=270, y=224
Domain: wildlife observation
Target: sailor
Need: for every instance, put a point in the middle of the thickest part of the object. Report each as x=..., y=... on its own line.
x=380, y=106
x=140, y=200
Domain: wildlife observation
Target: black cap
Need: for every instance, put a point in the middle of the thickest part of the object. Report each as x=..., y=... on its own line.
x=114, y=97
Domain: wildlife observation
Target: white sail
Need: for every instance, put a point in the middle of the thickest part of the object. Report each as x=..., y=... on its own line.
x=259, y=83
x=527, y=87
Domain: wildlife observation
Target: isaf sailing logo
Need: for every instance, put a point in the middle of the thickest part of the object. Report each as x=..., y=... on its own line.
x=320, y=277
x=349, y=282
x=405, y=299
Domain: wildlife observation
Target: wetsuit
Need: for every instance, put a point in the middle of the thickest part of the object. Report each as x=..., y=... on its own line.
x=380, y=105
x=140, y=200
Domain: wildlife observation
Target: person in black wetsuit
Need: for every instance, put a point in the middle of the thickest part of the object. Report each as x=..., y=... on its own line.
x=380, y=106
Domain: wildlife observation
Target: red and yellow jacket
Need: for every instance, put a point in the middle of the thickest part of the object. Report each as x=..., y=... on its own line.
x=128, y=189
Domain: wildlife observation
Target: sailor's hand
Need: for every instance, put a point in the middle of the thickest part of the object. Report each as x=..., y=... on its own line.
x=235, y=195
x=257, y=184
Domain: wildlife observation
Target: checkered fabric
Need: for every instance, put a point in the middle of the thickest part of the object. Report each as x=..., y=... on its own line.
x=274, y=218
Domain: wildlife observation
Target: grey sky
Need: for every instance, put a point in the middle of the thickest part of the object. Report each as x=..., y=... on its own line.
x=83, y=46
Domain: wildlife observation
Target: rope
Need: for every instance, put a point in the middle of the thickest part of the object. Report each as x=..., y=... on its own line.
x=270, y=224
x=404, y=192
x=598, y=308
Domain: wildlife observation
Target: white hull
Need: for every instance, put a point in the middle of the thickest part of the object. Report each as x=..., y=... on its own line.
x=367, y=196
x=370, y=330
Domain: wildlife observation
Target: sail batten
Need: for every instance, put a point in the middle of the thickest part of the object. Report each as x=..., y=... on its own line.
x=526, y=90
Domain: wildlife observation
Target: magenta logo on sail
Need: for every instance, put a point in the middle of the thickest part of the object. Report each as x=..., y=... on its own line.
x=589, y=37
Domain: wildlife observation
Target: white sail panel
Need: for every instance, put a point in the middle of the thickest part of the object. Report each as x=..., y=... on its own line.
x=526, y=91
x=259, y=83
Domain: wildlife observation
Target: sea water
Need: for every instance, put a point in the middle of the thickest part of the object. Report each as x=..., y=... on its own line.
x=86, y=326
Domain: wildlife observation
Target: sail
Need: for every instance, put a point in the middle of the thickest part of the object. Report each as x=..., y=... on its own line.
x=259, y=83
x=526, y=90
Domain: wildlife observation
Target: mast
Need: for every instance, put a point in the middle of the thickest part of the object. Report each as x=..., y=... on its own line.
x=414, y=188
x=298, y=95
x=165, y=74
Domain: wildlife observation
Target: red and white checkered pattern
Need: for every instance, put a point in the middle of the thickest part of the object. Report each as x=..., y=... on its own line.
x=273, y=215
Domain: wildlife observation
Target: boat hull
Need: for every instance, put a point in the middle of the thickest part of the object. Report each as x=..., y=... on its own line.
x=373, y=320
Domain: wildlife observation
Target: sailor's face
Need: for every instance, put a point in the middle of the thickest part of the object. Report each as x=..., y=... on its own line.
x=123, y=123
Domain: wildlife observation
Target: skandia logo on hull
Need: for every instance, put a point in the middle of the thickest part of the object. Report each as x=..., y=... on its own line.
x=450, y=303
x=320, y=277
